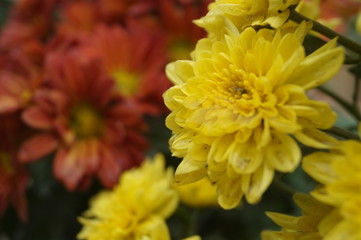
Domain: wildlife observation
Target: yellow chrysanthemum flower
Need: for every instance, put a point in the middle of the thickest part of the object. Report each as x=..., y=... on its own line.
x=198, y=194
x=334, y=211
x=236, y=103
x=319, y=221
x=314, y=214
x=338, y=170
x=310, y=8
x=345, y=222
x=244, y=13
x=136, y=208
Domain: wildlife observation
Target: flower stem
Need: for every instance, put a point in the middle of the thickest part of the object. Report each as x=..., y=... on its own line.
x=318, y=27
x=352, y=109
x=345, y=134
x=189, y=217
x=356, y=92
x=192, y=225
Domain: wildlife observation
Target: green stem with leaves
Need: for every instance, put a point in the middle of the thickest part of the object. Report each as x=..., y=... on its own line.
x=322, y=29
x=343, y=133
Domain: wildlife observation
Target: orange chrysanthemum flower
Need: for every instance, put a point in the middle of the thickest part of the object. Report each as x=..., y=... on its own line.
x=94, y=131
x=135, y=58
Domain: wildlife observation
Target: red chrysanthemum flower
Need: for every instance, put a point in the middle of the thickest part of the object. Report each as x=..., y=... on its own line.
x=111, y=11
x=17, y=35
x=135, y=58
x=339, y=8
x=29, y=22
x=77, y=16
x=342, y=10
x=19, y=77
x=78, y=115
x=83, y=16
x=13, y=175
x=176, y=17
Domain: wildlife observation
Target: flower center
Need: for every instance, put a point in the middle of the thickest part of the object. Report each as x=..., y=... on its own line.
x=86, y=122
x=236, y=90
x=240, y=92
x=234, y=85
x=5, y=162
x=127, y=82
x=180, y=49
x=25, y=96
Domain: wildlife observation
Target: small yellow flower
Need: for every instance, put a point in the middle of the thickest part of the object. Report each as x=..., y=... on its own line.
x=310, y=8
x=198, y=194
x=136, y=208
x=244, y=13
x=236, y=103
x=319, y=221
x=307, y=226
x=338, y=170
x=348, y=222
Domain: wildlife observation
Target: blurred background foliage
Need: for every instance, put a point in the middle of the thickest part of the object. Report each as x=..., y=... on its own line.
x=4, y=9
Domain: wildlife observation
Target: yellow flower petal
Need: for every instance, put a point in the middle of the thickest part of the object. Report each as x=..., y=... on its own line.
x=283, y=153
x=198, y=194
x=321, y=65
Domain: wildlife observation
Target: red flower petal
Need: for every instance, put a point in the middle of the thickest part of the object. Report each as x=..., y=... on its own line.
x=109, y=168
x=37, y=147
x=37, y=118
x=8, y=104
x=66, y=168
x=71, y=165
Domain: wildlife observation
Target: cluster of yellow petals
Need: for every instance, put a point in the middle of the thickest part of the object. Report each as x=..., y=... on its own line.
x=134, y=209
x=307, y=226
x=339, y=172
x=236, y=103
x=333, y=211
x=245, y=13
x=198, y=194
